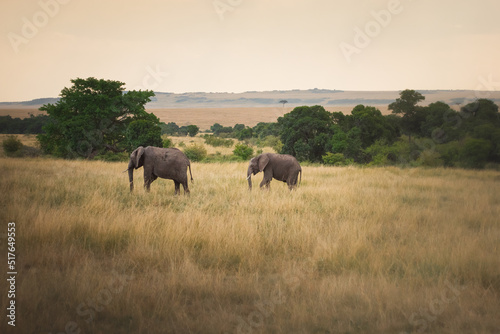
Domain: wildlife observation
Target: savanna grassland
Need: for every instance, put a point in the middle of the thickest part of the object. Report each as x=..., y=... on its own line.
x=204, y=117
x=352, y=250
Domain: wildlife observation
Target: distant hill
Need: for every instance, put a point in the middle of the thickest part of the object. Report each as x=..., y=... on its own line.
x=36, y=103
x=324, y=97
x=327, y=98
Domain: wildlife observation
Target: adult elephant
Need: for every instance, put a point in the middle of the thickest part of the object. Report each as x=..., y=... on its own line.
x=282, y=167
x=167, y=163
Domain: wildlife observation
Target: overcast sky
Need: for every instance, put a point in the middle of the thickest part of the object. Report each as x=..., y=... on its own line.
x=246, y=45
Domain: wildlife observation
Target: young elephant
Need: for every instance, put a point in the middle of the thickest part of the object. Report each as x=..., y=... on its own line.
x=282, y=167
x=167, y=163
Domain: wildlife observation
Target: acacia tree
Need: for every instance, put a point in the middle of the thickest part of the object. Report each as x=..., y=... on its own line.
x=305, y=132
x=192, y=130
x=412, y=116
x=92, y=117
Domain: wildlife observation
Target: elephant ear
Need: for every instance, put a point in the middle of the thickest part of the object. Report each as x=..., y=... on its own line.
x=138, y=155
x=263, y=161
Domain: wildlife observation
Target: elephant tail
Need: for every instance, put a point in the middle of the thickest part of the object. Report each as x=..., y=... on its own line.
x=192, y=180
x=300, y=180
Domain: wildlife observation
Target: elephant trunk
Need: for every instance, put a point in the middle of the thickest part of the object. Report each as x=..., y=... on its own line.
x=249, y=178
x=131, y=175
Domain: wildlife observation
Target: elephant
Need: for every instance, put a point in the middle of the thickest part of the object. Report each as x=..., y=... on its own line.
x=167, y=163
x=282, y=167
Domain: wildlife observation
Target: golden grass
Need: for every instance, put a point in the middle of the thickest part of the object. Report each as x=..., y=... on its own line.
x=28, y=140
x=251, y=116
x=204, y=118
x=352, y=250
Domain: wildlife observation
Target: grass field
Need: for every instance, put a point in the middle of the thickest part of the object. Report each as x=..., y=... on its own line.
x=352, y=250
x=204, y=118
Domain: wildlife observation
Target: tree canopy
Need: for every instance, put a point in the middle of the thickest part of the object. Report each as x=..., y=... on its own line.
x=305, y=132
x=406, y=105
x=95, y=117
x=92, y=117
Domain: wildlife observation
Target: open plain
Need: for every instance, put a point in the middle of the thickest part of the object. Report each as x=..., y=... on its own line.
x=250, y=108
x=352, y=250
x=204, y=118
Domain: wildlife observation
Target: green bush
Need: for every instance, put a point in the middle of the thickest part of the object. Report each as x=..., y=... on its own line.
x=382, y=154
x=271, y=141
x=13, y=147
x=167, y=142
x=449, y=153
x=334, y=159
x=475, y=152
x=196, y=152
x=243, y=151
x=430, y=158
x=217, y=141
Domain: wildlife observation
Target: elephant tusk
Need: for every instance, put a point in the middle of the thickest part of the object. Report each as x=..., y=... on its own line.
x=249, y=176
x=126, y=170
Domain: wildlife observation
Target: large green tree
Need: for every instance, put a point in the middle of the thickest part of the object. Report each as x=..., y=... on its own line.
x=142, y=132
x=481, y=111
x=372, y=125
x=92, y=117
x=192, y=130
x=412, y=115
x=305, y=132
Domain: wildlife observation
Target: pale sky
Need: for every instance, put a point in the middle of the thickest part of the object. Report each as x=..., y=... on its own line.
x=249, y=45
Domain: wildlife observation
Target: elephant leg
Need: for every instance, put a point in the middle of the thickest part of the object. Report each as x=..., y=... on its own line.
x=266, y=181
x=265, y=184
x=149, y=177
x=186, y=188
x=177, y=187
x=147, y=183
x=292, y=182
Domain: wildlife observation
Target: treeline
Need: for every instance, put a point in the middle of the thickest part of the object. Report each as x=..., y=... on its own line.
x=238, y=131
x=96, y=118
x=433, y=135
x=29, y=125
x=172, y=129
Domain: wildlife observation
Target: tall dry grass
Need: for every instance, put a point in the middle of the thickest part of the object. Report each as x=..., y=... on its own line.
x=352, y=250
